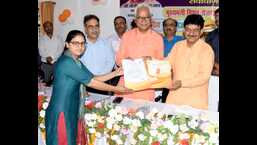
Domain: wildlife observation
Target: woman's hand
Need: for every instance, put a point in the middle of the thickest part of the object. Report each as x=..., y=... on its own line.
x=119, y=71
x=121, y=89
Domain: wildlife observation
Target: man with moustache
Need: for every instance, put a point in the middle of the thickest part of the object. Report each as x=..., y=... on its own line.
x=120, y=25
x=50, y=48
x=169, y=39
x=192, y=61
x=138, y=43
x=98, y=56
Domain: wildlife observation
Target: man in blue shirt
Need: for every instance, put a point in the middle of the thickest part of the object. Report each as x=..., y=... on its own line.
x=213, y=39
x=98, y=56
x=170, y=38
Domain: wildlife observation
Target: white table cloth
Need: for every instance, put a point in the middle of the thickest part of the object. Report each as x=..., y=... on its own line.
x=213, y=93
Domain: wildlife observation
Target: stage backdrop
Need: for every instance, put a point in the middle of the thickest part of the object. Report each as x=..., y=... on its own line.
x=177, y=9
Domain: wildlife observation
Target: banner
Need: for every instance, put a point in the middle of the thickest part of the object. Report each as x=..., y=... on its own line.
x=177, y=9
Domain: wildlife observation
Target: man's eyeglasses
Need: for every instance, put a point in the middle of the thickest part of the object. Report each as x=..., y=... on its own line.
x=78, y=44
x=91, y=27
x=170, y=25
x=120, y=23
x=143, y=18
x=194, y=31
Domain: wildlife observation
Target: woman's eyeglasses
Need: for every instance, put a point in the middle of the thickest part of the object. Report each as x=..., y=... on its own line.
x=78, y=44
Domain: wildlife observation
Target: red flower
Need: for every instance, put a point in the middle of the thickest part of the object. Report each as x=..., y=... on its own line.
x=40, y=102
x=184, y=142
x=89, y=104
x=156, y=143
x=100, y=125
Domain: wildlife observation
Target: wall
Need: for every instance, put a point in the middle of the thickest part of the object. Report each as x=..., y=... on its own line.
x=80, y=8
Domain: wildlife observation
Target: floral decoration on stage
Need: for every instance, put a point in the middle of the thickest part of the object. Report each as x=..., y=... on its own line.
x=121, y=126
x=42, y=105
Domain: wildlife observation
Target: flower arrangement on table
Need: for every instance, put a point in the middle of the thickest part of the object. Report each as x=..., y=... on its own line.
x=123, y=126
x=42, y=105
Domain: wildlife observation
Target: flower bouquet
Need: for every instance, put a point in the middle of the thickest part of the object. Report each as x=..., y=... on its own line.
x=119, y=126
x=42, y=105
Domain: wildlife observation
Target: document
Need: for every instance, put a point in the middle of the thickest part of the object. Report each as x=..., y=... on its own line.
x=140, y=74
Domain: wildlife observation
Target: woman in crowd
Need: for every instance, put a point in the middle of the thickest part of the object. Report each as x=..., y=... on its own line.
x=70, y=73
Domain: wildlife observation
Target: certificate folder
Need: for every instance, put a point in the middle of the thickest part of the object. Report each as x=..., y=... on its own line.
x=140, y=74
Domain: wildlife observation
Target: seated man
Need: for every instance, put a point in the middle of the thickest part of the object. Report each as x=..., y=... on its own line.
x=50, y=49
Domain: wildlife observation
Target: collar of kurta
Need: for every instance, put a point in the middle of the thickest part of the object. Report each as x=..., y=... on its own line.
x=90, y=42
x=68, y=53
x=149, y=31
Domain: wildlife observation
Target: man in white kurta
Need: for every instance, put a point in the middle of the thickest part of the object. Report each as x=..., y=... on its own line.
x=50, y=49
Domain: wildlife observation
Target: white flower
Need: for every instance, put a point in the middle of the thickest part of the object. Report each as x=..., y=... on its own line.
x=100, y=119
x=98, y=134
x=94, y=116
x=183, y=127
x=109, y=125
x=87, y=117
x=133, y=129
x=40, y=93
x=198, y=139
x=150, y=139
x=168, y=124
x=45, y=105
x=98, y=105
x=156, y=123
x=170, y=141
x=119, y=117
x=204, y=117
x=119, y=142
x=112, y=113
x=211, y=128
x=42, y=113
x=124, y=111
x=174, y=129
x=125, y=131
x=151, y=114
x=214, y=138
x=193, y=123
x=91, y=130
x=110, y=120
x=160, y=115
x=184, y=136
x=136, y=123
x=140, y=115
x=90, y=124
x=162, y=137
x=153, y=132
x=118, y=109
x=154, y=110
x=126, y=121
x=141, y=137
x=115, y=137
x=42, y=125
x=132, y=141
x=204, y=126
x=116, y=127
